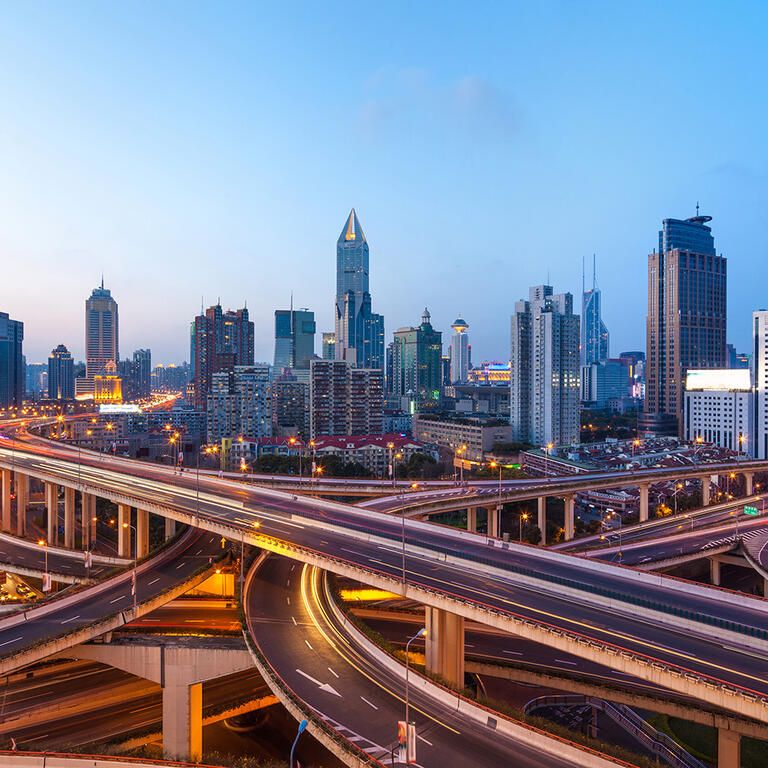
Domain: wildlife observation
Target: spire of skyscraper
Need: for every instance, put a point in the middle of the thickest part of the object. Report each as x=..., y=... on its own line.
x=352, y=231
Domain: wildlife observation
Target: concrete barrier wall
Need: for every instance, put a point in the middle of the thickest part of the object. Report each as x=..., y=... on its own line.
x=63, y=760
x=74, y=554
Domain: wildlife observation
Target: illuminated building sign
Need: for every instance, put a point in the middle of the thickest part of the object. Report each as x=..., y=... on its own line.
x=719, y=379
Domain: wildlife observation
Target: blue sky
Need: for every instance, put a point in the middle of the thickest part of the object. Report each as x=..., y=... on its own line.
x=203, y=149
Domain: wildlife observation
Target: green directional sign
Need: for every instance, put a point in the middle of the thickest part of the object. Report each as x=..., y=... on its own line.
x=753, y=511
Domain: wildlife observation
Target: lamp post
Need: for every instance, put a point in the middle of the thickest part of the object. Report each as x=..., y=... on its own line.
x=523, y=519
x=547, y=448
x=421, y=633
x=46, y=576
x=678, y=488
x=302, y=727
x=296, y=441
x=135, y=585
x=391, y=448
x=493, y=465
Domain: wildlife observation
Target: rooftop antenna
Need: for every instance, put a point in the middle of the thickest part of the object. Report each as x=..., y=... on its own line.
x=594, y=272
x=697, y=207
x=583, y=284
x=102, y=281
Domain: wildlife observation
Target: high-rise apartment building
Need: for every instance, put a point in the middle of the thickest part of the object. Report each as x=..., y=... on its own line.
x=759, y=428
x=219, y=341
x=686, y=322
x=344, y=400
x=594, y=334
x=459, y=352
x=11, y=362
x=417, y=366
x=290, y=405
x=544, y=389
x=136, y=374
x=61, y=374
x=294, y=338
x=101, y=338
x=359, y=331
x=239, y=403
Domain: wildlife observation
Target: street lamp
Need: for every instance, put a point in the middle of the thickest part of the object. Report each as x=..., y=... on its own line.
x=523, y=519
x=421, y=633
x=46, y=577
x=547, y=448
x=678, y=488
x=391, y=448
x=296, y=441
x=302, y=727
x=493, y=465
x=135, y=585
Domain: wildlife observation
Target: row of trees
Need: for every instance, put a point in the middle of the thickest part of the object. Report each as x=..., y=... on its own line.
x=418, y=466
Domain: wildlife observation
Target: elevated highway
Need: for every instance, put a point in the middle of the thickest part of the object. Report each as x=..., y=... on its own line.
x=699, y=642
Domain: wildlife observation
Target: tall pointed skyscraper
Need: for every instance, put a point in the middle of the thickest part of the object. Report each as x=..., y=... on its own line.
x=594, y=334
x=359, y=331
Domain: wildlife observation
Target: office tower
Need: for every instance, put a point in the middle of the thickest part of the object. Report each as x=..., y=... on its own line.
x=759, y=429
x=359, y=331
x=686, y=316
x=736, y=359
x=36, y=379
x=290, y=405
x=239, y=403
x=344, y=400
x=101, y=331
x=417, y=367
x=101, y=338
x=459, y=352
x=594, y=334
x=170, y=378
x=329, y=346
x=544, y=389
x=61, y=374
x=11, y=362
x=604, y=381
x=219, y=341
x=294, y=338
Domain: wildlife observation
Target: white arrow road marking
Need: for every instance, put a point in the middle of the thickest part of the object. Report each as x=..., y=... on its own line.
x=322, y=686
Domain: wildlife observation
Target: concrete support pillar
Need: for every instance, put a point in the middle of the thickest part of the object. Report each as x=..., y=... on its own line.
x=183, y=721
x=142, y=533
x=705, y=489
x=714, y=571
x=542, y=518
x=644, y=503
x=123, y=530
x=52, y=508
x=494, y=520
x=728, y=749
x=5, y=499
x=92, y=517
x=570, y=509
x=472, y=519
x=444, y=645
x=749, y=478
x=69, y=518
x=87, y=511
x=22, y=502
x=170, y=528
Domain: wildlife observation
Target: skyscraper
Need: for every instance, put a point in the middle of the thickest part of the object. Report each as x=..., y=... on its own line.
x=219, y=341
x=11, y=362
x=758, y=439
x=544, y=391
x=686, y=323
x=417, y=365
x=359, y=331
x=459, y=352
x=594, y=334
x=101, y=337
x=61, y=374
x=294, y=338
x=329, y=346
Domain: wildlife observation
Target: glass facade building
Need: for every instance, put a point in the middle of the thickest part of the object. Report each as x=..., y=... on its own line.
x=11, y=362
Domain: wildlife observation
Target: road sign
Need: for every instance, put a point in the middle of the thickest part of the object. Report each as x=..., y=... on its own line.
x=752, y=511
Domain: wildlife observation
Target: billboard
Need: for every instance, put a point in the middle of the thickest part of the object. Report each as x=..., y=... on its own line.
x=115, y=409
x=718, y=379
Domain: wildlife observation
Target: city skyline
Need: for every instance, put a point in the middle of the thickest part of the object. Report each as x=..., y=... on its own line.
x=504, y=190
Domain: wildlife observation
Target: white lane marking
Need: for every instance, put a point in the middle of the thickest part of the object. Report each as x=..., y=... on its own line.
x=154, y=581
x=292, y=567
x=72, y=618
x=293, y=619
x=333, y=673
x=309, y=645
x=513, y=653
x=563, y=661
x=322, y=686
x=7, y=642
x=198, y=551
x=421, y=738
x=116, y=599
x=369, y=703
x=288, y=600
x=180, y=565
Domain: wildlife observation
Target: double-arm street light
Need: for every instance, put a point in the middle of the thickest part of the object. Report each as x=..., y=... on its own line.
x=46, y=576
x=135, y=585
